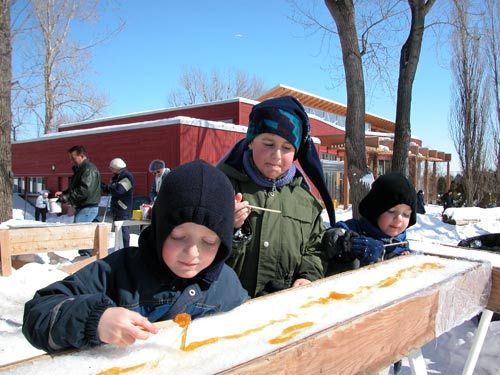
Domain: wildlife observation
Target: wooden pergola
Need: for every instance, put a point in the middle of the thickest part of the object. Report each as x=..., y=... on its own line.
x=381, y=148
x=378, y=147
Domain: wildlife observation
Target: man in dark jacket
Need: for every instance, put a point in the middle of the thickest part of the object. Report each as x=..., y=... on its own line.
x=420, y=202
x=121, y=190
x=447, y=200
x=159, y=170
x=179, y=267
x=84, y=192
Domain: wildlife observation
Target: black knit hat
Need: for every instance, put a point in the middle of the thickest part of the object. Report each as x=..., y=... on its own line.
x=156, y=165
x=199, y=193
x=388, y=191
x=287, y=113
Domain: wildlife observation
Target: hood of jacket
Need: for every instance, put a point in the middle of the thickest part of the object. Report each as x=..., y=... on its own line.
x=195, y=192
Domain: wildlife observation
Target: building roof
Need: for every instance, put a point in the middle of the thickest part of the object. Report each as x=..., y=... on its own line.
x=327, y=105
x=376, y=141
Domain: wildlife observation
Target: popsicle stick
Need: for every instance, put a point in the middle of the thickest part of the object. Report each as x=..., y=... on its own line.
x=165, y=324
x=396, y=244
x=264, y=209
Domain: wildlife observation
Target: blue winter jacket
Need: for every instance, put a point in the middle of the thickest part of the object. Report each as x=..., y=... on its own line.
x=65, y=314
x=341, y=261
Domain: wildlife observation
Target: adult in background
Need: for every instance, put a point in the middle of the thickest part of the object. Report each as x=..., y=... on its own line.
x=420, y=202
x=159, y=170
x=447, y=200
x=121, y=189
x=41, y=204
x=84, y=192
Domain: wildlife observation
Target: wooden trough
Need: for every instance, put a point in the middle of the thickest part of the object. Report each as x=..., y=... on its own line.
x=352, y=323
x=493, y=258
x=42, y=239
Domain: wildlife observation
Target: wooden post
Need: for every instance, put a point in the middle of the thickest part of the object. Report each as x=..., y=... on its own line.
x=434, y=179
x=346, y=185
x=101, y=241
x=426, y=179
x=5, y=252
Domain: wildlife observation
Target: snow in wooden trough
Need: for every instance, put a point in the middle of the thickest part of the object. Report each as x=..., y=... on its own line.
x=263, y=325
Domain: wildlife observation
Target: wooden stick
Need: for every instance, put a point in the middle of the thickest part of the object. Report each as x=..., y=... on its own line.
x=264, y=209
x=396, y=244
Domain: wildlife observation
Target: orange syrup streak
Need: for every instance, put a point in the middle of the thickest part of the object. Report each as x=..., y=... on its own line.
x=388, y=281
x=196, y=344
x=290, y=332
x=121, y=370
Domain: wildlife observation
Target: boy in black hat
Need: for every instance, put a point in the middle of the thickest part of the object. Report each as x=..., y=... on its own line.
x=387, y=211
x=177, y=268
x=280, y=249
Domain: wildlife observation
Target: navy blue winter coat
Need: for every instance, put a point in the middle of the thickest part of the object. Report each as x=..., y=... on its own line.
x=341, y=261
x=121, y=189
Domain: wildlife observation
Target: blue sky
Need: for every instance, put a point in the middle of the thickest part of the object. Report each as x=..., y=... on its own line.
x=139, y=67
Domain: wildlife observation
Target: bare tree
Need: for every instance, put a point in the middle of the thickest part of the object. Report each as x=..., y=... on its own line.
x=344, y=16
x=198, y=87
x=56, y=83
x=5, y=112
x=470, y=109
x=410, y=54
x=491, y=27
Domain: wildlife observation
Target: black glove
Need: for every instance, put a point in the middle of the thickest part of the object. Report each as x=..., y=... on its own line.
x=366, y=249
x=337, y=245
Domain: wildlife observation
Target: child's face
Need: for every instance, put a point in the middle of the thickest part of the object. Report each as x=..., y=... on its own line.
x=272, y=154
x=395, y=220
x=189, y=249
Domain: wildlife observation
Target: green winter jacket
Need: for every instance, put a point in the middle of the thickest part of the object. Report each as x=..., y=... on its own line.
x=283, y=247
x=85, y=186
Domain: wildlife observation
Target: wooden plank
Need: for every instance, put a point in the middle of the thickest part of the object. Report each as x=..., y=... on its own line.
x=101, y=241
x=51, y=245
x=494, y=300
x=32, y=240
x=70, y=237
x=72, y=268
x=35, y=235
x=372, y=142
x=5, y=252
x=364, y=345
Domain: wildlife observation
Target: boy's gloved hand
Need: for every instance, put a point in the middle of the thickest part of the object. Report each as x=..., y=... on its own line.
x=366, y=249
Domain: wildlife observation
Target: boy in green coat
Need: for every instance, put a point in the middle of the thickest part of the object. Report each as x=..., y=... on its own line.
x=281, y=248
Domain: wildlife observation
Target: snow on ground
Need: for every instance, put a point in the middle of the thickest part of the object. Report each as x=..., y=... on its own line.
x=444, y=355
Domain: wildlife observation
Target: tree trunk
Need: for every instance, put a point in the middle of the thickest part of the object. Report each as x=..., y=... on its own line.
x=410, y=54
x=343, y=14
x=5, y=112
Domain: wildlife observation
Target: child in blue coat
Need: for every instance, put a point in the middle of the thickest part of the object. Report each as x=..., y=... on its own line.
x=387, y=211
x=179, y=267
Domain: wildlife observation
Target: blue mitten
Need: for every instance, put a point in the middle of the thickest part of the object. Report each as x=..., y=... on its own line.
x=366, y=249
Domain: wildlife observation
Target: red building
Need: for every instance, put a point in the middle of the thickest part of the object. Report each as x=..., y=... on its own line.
x=178, y=135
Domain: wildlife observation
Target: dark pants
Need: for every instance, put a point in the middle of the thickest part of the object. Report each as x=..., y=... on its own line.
x=41, y=212
x=125, y=229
